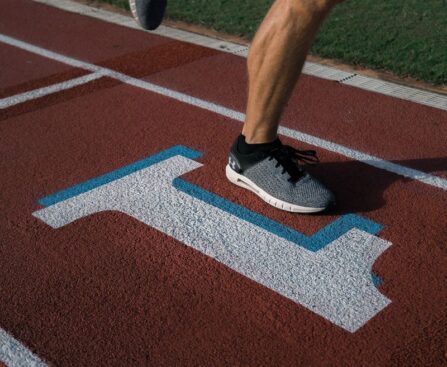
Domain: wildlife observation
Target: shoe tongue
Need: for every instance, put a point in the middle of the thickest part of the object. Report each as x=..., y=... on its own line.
x=277, y=143
x=286, y=159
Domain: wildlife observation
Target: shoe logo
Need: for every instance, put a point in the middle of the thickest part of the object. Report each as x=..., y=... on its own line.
x=233, y=164
x=328, y=273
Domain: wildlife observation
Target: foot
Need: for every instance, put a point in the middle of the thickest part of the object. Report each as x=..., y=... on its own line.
x=148, y=13
x=276, y=177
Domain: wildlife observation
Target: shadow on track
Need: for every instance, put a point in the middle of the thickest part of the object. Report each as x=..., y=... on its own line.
x=360, y=188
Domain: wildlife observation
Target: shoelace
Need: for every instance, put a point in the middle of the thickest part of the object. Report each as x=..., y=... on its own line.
x=288, y=157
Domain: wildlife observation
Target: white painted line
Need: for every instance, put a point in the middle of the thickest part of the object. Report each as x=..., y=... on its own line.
x=45, y=91
x=420, y=176
x=367, y=159
x=15, y=354
x=49, y=54
x=310, y=68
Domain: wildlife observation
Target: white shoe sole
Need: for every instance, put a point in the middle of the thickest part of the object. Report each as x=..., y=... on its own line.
x=133, y=8
x=246, y=183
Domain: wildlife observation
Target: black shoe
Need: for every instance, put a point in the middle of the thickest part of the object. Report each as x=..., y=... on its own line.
x=148, y=13
x=275, y=175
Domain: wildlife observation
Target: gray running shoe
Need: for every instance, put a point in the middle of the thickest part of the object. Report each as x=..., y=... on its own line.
x=277, y=178
x=148, y=13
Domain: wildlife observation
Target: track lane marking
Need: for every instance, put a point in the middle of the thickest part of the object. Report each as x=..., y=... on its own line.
x=328, y=272
x=14, y=353
x=45, y=91
x=423, y=177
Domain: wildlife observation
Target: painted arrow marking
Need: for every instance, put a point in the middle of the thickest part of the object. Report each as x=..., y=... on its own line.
x=328, y=273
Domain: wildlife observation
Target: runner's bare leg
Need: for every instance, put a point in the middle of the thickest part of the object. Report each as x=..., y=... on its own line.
x=275, y=61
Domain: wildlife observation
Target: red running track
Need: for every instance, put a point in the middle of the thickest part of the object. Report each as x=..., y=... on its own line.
x=109, y=290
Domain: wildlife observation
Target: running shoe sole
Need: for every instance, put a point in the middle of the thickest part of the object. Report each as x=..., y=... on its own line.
x=133, y=8
x=156, y=15
x=246, y=183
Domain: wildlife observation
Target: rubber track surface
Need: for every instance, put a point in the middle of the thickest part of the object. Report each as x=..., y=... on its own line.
x=109, y=290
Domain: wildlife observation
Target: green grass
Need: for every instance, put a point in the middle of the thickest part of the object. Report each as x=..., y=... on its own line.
x=405, y=37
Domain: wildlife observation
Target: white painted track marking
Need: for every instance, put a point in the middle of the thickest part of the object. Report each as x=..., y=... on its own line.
x=334, y=282
x=15, y=354
x=45, y=91
x=368, y=159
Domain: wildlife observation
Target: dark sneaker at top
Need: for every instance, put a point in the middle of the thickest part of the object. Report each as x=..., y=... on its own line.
x=276, y=177
x=148, y=13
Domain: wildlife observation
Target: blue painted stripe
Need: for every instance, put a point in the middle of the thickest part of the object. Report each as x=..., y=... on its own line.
x=119, y=173
x=377, y=281
x=313, y=243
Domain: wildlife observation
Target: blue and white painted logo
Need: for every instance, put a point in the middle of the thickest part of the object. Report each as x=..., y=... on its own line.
x=328, y=272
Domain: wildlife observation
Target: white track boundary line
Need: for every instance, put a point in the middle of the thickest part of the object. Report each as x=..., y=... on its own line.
x=45, y=91
x=435, y=100
x=413, y=174
x=15, y=354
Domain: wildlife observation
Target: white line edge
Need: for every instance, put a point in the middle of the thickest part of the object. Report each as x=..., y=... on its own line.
x=45, y=91
x=15, y=354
